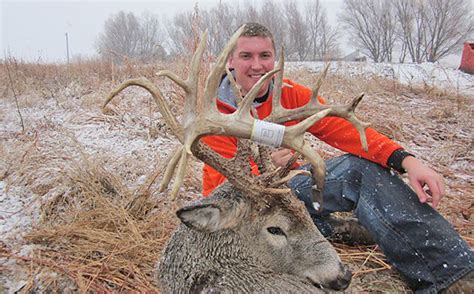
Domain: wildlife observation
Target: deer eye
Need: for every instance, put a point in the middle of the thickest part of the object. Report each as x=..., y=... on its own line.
x=276, y=231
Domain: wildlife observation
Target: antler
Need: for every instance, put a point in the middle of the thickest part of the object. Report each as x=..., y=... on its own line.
x=240, y=124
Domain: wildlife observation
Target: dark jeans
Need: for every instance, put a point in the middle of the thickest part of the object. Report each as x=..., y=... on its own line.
x=416, y=239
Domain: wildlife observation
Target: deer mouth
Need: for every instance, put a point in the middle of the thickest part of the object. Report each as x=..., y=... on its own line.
x=315, y=284
x=336, y=285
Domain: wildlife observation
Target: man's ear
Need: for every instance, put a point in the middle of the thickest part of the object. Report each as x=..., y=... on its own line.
x=230, y=60
x=201, y=217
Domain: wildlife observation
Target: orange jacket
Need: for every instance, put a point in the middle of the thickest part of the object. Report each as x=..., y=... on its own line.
x=335, y=131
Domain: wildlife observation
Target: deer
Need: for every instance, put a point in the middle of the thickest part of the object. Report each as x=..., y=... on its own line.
x=251, y=234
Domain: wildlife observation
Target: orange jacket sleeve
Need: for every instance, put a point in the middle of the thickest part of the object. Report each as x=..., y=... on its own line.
x=340, y=133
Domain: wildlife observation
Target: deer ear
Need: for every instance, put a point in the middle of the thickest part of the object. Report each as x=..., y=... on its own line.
x=202, y=217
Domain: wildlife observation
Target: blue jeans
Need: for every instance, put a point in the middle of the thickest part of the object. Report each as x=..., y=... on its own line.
x=416, y=239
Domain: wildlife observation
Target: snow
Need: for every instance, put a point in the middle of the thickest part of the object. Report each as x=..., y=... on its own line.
x=126, y=137
x=425, y=74
x=129, y=136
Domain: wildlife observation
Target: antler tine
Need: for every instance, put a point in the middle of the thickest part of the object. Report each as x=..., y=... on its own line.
x=319, y=82
x=190, y=84
x=278, y=81
x=212, y=82
x=244, y=110
x=294, y=139
x=180, y=173
x=173, y=161
x=170, y=120
x=358, y=124
x=235, y=87
x=157, y=96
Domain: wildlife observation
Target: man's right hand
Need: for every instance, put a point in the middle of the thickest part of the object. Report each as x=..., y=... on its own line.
x=281, y=156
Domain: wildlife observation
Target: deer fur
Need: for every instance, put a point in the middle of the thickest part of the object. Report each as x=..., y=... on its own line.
x=224, y=244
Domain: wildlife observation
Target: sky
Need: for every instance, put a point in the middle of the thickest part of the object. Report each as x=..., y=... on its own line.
x=36, y=30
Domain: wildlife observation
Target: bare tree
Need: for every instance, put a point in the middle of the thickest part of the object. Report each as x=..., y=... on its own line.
x=388, y=27
x=270, y=13
x=250, y=12
x=150, y=46
x=127, y=36
x=449, y=23
x=432, y=29
x=313, y=18
x=372, y=25
x=220, y=23
x=322, y=37
x=180, y=31
x=304, y=31
x=120, y=36
x=297, y=38
x=411, y=16
x=328, y=46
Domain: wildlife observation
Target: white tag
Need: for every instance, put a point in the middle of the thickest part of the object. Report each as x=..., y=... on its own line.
x=267, y=133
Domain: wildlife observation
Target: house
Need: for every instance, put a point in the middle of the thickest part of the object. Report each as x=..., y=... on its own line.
x=355, y=56
x=467, y=59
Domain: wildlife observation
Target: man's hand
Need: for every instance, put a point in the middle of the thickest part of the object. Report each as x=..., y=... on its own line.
x=281, y=156
x=421, y=175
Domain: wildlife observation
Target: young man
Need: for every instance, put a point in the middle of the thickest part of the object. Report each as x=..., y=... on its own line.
x=417, y=240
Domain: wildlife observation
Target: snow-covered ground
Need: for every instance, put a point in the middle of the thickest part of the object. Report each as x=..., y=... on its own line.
x=127, y=135
x=425, y=74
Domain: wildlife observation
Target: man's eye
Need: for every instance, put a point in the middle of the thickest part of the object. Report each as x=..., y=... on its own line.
x=276, y=231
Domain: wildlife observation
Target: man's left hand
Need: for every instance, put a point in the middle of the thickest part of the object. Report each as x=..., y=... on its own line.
x=420, y=176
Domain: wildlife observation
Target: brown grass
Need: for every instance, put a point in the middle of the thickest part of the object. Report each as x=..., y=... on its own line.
x=103, y=225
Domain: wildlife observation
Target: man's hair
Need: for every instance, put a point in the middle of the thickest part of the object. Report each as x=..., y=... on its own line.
x=253, y=29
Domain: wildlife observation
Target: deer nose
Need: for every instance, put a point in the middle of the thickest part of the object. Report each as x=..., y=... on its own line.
x=343, y=281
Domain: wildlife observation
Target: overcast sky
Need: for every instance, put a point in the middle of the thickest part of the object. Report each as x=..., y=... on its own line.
x=36, y=29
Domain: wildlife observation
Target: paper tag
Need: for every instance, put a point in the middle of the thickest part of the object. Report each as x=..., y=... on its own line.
x=267, y=133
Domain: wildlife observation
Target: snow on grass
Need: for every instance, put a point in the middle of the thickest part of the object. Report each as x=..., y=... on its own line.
x=59, y=129
x=425, y=74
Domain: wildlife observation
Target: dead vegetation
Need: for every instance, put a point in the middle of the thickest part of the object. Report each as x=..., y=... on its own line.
x=86, y=182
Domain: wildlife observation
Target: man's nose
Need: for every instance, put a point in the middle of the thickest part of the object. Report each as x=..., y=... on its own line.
x=256, y=63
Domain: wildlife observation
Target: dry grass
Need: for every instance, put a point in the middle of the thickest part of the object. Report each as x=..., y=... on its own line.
x=103, y=225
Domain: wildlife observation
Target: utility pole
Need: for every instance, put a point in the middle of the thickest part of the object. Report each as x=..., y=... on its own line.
x=67, y=49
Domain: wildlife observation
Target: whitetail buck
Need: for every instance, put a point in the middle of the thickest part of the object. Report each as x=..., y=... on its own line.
x=251, y=234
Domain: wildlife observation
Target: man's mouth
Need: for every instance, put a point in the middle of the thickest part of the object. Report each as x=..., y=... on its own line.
x=256, y=76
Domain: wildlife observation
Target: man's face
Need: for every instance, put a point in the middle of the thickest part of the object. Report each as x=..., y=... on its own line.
x=252, y=58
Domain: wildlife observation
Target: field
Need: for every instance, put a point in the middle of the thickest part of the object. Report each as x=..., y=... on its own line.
x=79, y=207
